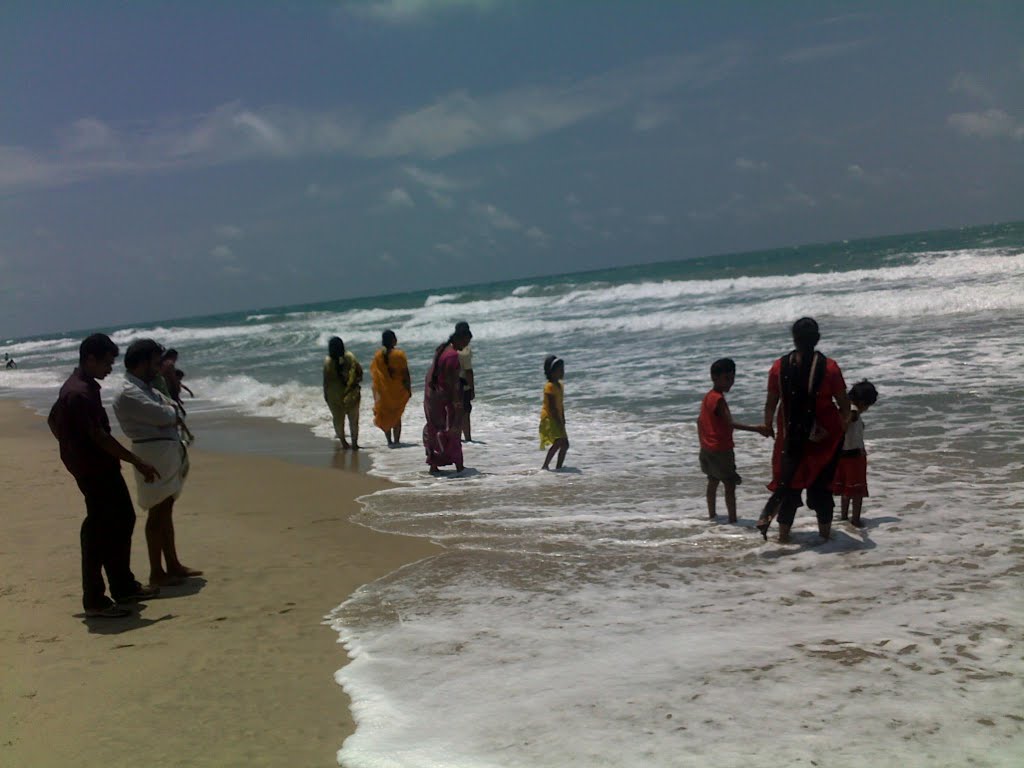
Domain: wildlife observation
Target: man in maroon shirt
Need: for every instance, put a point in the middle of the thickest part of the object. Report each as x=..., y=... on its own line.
x=93, y=457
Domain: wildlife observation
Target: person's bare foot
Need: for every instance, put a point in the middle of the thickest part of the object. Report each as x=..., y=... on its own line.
x=857, y=523
x=712, y=516
x=345, y=445
x=355, y=446
x=164, y=579
x=185, y=572
x=460, y=468
x=732, y=519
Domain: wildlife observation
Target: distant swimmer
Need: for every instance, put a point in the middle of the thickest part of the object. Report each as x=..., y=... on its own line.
x=9, y=361
x=342, y=391
x=715, y=427
x=814, y=414
x=552, y=413
x=852, y=473
x=392, y=387
x=442, y=403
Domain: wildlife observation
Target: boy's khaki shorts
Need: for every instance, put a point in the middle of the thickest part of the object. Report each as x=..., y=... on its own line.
x=720, y=465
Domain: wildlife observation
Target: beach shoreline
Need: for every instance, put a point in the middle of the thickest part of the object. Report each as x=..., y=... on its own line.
x=236, y=668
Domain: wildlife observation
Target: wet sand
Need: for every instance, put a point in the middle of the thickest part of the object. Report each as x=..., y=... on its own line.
x=231, y=669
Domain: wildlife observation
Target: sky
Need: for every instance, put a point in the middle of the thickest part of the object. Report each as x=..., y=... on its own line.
x=164, y=160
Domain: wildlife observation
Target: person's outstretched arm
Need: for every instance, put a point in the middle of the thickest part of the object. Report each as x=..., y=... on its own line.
x=724, y=412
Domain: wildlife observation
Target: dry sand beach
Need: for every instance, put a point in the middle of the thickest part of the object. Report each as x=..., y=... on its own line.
x=234, y=669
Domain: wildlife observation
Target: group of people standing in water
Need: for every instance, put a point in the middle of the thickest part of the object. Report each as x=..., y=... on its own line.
x=449, y=390
x=818, y=429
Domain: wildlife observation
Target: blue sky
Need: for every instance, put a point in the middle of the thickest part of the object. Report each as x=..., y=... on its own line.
x=160, y=160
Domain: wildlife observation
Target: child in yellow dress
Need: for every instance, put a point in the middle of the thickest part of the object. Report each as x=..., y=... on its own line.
x=552, y=413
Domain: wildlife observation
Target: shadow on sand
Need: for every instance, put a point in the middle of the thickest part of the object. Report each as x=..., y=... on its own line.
x=136, y=620
x=842, y=542
x=128, y=623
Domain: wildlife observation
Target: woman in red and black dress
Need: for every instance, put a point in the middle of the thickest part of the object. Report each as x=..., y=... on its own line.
x=807, y=396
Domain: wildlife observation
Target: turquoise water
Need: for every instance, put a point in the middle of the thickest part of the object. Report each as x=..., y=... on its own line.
x=594, y=617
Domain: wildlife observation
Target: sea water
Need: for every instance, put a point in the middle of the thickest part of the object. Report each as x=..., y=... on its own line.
x=594, y=616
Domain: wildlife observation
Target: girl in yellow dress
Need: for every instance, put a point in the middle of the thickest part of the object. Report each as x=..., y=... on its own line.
x=392, y=388
x=552, y=413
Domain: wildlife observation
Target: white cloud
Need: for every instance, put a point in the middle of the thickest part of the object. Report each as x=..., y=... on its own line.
x=652, y=116
x=854, y=171
x=229, y=232
x=536, y=234
x=437, y=185
x=441, y=200
x=454, y=123
x=386, y=258
x=399, y=198
x=404, y=11
x=990, y=124
x=449, y=249
x=971, y=86
x=431, y=179
x=797, y=198
x=656, y=218
x=750, y=166
x=222, y=252
x=496, y=217
x=312, y=190
x=825, y=51
x=572, y=200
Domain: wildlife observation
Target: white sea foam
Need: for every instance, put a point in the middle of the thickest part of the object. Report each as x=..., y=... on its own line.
x=444, y=298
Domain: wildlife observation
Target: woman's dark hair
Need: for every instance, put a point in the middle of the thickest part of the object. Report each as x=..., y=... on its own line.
x=806, y=334
x=336, y=351
x=863, y=393
x=437, y=356
x=98, y=345
x=140, y=351
x=551, y=364
x=388, y=341
x=170, y=354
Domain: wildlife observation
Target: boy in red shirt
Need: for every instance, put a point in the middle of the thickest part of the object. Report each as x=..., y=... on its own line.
x=715, y=427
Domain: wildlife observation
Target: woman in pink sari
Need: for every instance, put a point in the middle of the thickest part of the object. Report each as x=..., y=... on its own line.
x=442, y=403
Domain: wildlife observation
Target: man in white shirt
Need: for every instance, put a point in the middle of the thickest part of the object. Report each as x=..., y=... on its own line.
x=467, y=379
x=150, y=420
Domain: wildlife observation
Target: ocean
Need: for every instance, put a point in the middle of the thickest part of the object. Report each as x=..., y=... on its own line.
x=594, y=616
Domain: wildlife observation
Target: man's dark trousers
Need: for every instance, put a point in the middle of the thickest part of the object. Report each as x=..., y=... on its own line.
x=106, y=538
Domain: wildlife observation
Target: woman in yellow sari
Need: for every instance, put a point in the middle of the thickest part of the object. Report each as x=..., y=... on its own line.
x=392, y=388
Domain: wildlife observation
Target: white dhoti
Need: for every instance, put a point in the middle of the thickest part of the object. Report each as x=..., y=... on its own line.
x=170, y=459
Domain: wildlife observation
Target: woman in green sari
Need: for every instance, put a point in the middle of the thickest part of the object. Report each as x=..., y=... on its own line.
x=342, y=376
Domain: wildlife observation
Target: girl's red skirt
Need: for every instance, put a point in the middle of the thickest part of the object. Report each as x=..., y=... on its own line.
x=851, y=478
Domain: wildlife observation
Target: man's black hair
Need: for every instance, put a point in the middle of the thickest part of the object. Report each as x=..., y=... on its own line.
x=168, y=354
x=724, y=365
x=139, y=351
x=98, y=345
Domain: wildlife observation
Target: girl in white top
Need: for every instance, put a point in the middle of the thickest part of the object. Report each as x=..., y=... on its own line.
x=851, y=478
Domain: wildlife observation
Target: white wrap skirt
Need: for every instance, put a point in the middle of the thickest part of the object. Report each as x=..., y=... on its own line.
x=170, y=459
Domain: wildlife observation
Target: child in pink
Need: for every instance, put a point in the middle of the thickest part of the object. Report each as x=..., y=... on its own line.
x=851, y=479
